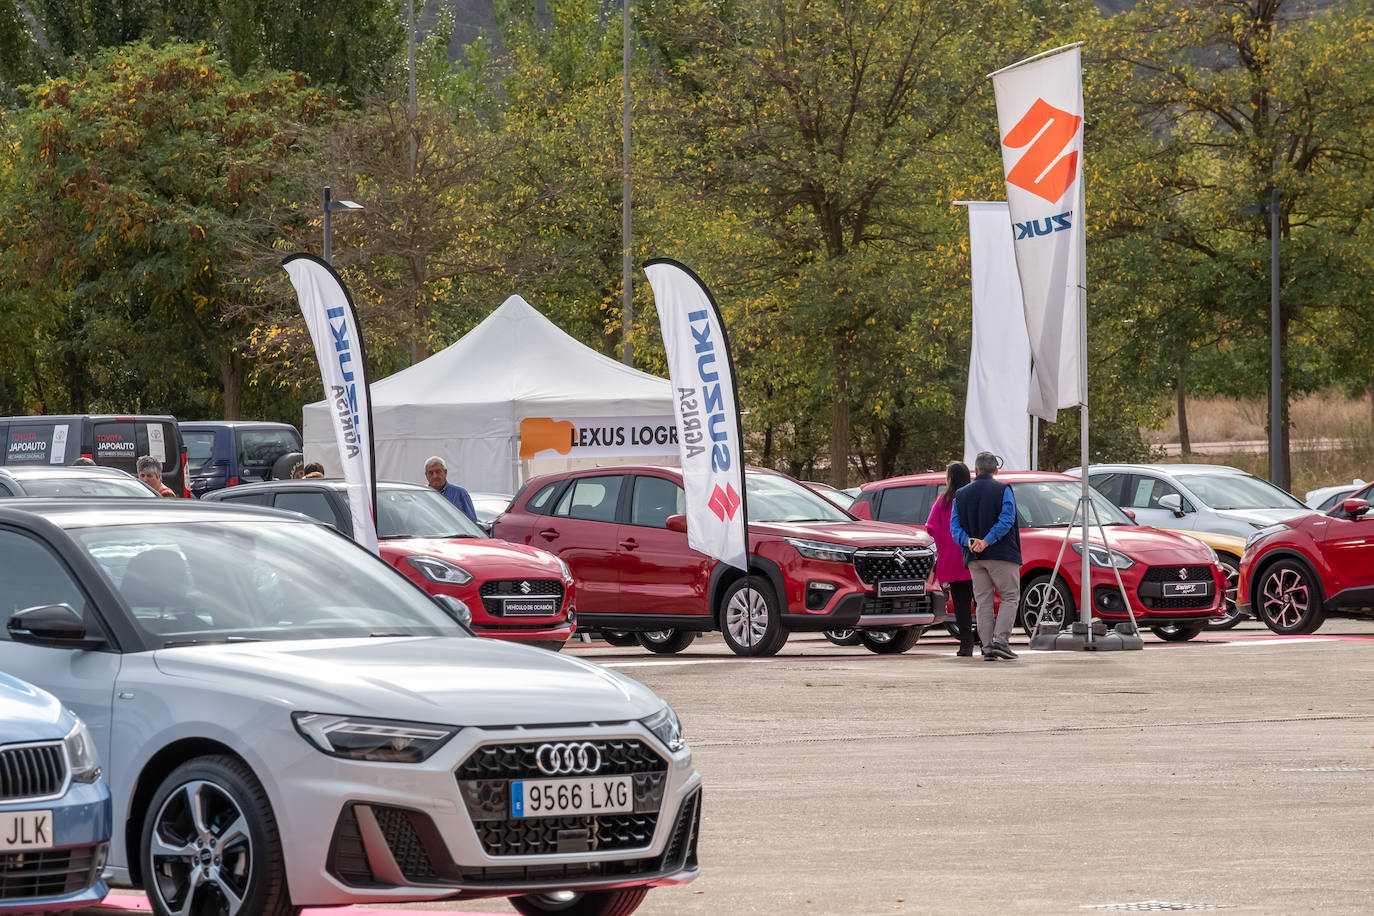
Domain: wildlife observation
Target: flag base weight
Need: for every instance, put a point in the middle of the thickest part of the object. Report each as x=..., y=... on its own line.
x=1080, y=637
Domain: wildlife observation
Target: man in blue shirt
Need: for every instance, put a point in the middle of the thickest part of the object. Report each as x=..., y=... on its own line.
x=984, y=524
x=436, y=472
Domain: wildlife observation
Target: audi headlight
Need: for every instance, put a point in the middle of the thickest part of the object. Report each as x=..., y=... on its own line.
x=1265, y=532
x=820, y=550
x=567, y=570
x=1104, y=558
x=666, y=728
x=437, y=570
x=357, y=738
x=81, y=754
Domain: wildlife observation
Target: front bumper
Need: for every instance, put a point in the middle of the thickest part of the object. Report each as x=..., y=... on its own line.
x=358, y=832
x=66, y=876
x=865, y=610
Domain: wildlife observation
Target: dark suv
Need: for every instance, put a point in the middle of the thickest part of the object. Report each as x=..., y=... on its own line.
x=226, y=453
x=812, y=566
x=110, y=441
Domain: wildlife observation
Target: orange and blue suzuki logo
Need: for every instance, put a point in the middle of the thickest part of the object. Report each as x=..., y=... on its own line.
x=1044, y=169
x=724, y=502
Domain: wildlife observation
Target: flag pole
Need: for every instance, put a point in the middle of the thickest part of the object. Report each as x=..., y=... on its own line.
x=1085, y=608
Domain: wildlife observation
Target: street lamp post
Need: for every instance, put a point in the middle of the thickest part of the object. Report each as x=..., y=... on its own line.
x=332, y=206
x=1276, y=458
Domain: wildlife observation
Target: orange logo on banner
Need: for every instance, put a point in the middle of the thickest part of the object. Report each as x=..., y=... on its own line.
x=1041, y=170
x=539, y=434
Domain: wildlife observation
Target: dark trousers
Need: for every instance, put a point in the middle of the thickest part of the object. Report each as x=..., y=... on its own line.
x=961, y=596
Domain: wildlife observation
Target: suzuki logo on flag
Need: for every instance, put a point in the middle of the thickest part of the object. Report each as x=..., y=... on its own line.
x=1043, y=170
x=724, y=503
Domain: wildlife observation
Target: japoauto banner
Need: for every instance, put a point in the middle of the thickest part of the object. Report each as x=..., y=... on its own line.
x=333, y=324
x=995, y=417
x=706, y=411
x=1040, y=121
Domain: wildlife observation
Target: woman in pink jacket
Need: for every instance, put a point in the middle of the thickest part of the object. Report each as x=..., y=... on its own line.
x=949, y=559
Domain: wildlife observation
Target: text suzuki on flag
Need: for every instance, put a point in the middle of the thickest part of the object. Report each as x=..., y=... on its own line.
x=1040, y=121
x=333, y=324
x=706, y=411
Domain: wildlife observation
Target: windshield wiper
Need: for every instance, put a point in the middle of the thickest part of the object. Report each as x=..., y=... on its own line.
x=376, y=635
x=177, y=643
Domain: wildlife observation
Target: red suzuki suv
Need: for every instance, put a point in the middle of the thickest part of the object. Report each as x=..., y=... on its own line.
x=812, y=566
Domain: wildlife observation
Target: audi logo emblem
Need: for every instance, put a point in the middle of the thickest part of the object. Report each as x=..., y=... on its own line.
x=566, y=759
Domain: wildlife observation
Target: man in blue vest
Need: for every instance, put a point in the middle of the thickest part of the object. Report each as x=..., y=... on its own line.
x=436, y=473
x=984, y=524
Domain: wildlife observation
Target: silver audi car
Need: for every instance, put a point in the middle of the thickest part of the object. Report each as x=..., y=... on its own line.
x=288, y=722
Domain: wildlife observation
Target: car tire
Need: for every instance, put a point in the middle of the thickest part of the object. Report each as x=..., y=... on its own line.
x=890, y=642
x=1040, y=590
x=619, y=638
x=1289, y=599
x=1178, y=632
x=749, y=618
x=843, y=637
x=234, y=814
x=665, y=642
x=1232, y=616
x=620, y=902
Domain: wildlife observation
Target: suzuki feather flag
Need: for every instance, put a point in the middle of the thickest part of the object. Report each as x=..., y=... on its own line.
x=1040, y=118
x=706, y=411
x=333, y=324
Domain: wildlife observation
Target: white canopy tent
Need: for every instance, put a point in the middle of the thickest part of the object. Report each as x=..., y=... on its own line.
x=465, y=403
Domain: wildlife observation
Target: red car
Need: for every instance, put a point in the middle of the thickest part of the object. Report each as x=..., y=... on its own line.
x=512, y=591
x=1173, y=581
x=813, y=567
x=1296, y=571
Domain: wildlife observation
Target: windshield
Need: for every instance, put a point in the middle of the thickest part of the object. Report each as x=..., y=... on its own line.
x=773, y=498
x=421, y=514
x=86, y=486
x=1237, y=491
x=225, y=581
x=1050, y=504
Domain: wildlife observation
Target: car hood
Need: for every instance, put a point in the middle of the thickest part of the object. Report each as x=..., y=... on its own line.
x=447, y=680
x=1263, y=517
x=29, y=714
x=478, y=555
x=1139, y=542
x=849, y=533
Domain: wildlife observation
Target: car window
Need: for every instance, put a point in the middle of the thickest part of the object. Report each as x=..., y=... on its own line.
x=775, y=498
x=68, y=485
x=541, y=502
x=1111, y=485
x=200, y=449
x=1237, y=491
x=421, y=513
x=908, y=505
x=259, y=449
x=32, y=577
x=591, y=498
x=656, y=498
x=116, y=445
x=314, y=504
x=31, y=444
x=247, y=499
x=5, y=489
x=1053, y=504
x=1146, y=492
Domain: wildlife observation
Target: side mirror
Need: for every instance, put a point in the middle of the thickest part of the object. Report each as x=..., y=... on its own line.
x=1174, y=503
x=1354, y=508
x=1129, y=514
x=676, y=523
x=56, y=625
x=455, y=609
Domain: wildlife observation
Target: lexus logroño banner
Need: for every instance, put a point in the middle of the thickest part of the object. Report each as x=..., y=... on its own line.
x=333, y=324
x=1040, y=121
x=706, y=411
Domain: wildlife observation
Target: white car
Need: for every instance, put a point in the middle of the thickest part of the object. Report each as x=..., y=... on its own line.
x=1323, y=498
x=289, y=722
x=1194, y=497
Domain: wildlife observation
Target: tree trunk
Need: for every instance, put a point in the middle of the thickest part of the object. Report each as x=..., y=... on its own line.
x=419, y=343
x=1185, y=444
x=839, y=421
x=231, y=377
x=768, y=446
x=1370, y=388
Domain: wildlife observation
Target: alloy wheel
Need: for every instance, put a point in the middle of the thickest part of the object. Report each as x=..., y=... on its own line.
x=1042, y=601
x=1284, y=597
x=746, y=617
x=1229, y=618
x=201, y=852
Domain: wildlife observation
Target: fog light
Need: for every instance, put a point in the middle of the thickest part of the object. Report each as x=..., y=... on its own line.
x=818, y=594
x=1109, y=599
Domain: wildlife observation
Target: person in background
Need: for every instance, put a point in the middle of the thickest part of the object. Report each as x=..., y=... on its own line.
x=436, y=473
x=150, y=472
x=313, y=469
x=950, y=571
x=984, y=524
x=84, y=462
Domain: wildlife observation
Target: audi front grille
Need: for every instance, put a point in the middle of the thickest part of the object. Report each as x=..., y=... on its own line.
x=32, y=771
x=883, y=564
x=484, y=783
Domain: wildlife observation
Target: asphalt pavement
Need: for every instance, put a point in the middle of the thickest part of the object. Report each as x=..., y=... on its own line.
x=1234, y=772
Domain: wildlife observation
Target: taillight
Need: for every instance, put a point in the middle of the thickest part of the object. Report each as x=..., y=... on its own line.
x=88, y=456
x=232, y=482
x=185, y=477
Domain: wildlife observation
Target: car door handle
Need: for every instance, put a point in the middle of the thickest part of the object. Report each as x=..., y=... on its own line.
x=549, y=534
x=629, y=543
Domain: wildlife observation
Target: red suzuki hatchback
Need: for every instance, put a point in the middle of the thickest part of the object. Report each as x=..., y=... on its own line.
x=1173, y=581
x=813, y=566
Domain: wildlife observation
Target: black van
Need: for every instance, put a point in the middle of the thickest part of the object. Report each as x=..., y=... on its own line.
x=226, y=453
x=110, y=441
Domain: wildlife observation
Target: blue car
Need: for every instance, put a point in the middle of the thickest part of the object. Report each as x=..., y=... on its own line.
x=54, y=807
x=226, y=453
